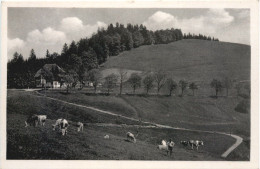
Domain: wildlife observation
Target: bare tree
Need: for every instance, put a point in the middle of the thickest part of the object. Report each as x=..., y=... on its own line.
x=171, y=85
x=216, y=84
x=148, y=82
x=160, y=79
x=228, y=83
x=135, y=81
x=110, y=82
x=183, y=84
x=122, y=78
x=193, y=87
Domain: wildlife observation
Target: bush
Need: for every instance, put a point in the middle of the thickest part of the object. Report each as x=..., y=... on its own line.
x=243, y=106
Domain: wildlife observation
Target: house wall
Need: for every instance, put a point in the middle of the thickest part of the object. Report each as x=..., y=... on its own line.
x=56, y=84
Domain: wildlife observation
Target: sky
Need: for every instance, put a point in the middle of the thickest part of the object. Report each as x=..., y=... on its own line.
x=49, y=28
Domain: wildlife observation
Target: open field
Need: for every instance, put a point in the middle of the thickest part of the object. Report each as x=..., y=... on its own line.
x=43, y=143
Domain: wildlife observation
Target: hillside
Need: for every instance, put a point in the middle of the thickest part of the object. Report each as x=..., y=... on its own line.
x=194, y=60
x=44, y=143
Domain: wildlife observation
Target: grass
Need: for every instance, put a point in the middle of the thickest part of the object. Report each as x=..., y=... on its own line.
x=195, y=60
x=190, y=112
x=43, y=143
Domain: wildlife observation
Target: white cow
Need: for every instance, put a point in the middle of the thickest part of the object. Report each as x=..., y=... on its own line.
x=130, y=137
x=106, y=137
x=62, y=124
x=167, y=146
x=196, y=143
x=80, y=126
x=163, y=146
x=42, y=119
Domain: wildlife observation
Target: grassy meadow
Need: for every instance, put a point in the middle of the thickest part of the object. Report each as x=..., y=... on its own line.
x=43, y=143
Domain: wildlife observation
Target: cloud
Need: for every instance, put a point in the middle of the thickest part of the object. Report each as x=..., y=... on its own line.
x=75, y=29
x=70, y=28
x=244, y=14
x=160, y=20
x=71, y=24
x=47, y=36
x=16, y=43
x=210, y=22
x=218, y=17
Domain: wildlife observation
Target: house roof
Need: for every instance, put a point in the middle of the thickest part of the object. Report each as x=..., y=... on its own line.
x=50, y=71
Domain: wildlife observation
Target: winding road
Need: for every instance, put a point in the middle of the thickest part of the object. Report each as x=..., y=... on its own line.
x=239, y=139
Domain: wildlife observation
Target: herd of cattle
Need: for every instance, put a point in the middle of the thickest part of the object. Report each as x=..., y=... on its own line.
x=62, y=126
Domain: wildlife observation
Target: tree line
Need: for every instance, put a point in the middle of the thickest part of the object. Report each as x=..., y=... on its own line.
x=158, y=79
x=199, y=36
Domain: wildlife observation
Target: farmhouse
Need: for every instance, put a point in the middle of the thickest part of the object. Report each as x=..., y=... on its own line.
x=50, y=75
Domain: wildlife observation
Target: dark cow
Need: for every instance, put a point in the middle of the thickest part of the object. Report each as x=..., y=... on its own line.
x=32, y=121
x=184, y=143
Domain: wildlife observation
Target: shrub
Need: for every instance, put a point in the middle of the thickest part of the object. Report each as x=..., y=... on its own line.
x=243, y=106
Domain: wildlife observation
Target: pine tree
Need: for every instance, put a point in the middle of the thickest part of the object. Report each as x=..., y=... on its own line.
x=48, y=54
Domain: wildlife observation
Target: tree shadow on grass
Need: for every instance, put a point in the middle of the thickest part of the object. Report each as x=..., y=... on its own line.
x=65, y=93
x=98, y=94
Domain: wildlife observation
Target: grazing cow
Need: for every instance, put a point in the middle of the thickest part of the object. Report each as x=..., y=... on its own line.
x=42, y=119
x=170, y=145
x=196, y=143
x=62, y=124
x=184, y=143
x=106, y=137
x=163, y=146
x=57, y=124
x=32, y=121
x=130, y=137
x=80, y=126
x=167, y=146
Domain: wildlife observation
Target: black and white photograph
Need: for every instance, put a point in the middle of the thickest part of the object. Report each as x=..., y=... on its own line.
x=129, y=84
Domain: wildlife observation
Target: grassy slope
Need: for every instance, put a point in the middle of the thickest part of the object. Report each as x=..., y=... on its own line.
x=43, y=143
x=195, y=60
x=190, y=112
x=204, y=113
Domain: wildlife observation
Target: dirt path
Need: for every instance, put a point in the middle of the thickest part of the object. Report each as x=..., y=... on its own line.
x=153, y=125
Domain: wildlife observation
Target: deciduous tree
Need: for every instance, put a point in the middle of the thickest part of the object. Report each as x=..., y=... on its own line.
x=171, y=85
x=94, y=76
x=183, y=85
x=68, y=79
x=148, y=82
x=160, y=79
x=193, y=87
x=216, y=84
x=135, y=81
x=110, y=82
x=122, y=78
x=228, y=83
